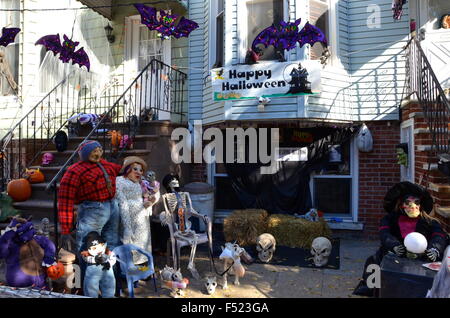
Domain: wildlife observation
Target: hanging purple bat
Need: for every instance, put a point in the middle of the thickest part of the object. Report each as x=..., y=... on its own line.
x=165, y=23
x=8, y=35
x=66, y=49
x=287, y=34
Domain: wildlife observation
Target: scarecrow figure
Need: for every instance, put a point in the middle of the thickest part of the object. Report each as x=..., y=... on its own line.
x=407, y=206
x=91, y=183
x=99, y=272
x=135, y=211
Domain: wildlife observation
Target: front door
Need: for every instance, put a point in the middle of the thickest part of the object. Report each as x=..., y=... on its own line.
x=142, y=47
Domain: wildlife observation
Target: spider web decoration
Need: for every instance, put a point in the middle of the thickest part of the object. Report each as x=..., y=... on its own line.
x=165, y=23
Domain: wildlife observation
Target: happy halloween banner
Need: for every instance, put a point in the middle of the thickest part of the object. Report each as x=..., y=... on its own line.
x=270, y=79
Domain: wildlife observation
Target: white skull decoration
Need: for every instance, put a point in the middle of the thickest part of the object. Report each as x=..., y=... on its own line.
x=265, y=245
x=321, y=250
x=47, y=158
x=211, y=284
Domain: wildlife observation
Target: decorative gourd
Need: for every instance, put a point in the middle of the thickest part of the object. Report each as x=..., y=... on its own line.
x=34, y=176
x=55, y=271
x=19, y=189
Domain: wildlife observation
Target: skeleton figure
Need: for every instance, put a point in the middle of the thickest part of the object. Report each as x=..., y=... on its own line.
x=265, y=245
x=231, y=256
x=178, y=210
x=210, y=284
x=321, y=250
x=5, y=71
x=173, y=279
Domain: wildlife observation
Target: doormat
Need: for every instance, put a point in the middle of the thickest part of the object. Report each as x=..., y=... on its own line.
x=284, y=255
x=294, y=256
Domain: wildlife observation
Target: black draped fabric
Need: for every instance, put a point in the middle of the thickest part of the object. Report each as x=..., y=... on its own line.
x=286, y=191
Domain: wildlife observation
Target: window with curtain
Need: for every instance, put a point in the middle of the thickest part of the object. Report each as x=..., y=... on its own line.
x=9, y=67
x=260, y=15
x=218, y=31
x=319, y=16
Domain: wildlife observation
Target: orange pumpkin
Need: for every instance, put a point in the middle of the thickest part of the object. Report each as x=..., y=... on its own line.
x=19, y=189
x=55, y=271
x=34, y=176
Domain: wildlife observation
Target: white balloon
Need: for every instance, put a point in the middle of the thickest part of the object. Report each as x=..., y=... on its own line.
x=416, y=243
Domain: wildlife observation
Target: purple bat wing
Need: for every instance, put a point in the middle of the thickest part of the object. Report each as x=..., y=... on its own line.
x=8, y=35
x=266, y=37
x=148, y=16
x=80, y=57
x=184, y=27
x=51, y=42
x=311, y=34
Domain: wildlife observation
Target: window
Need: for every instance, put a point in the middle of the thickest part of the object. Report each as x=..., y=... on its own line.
x=437, y=9
x=319, y=16
x=10, y=60
x=217, y=31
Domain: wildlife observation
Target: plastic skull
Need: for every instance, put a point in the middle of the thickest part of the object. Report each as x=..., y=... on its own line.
x=265, y=245
x=321, y=250
x=47, y=158
x=211, y=284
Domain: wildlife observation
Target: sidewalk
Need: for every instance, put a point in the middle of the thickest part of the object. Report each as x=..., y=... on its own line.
x=269, y=281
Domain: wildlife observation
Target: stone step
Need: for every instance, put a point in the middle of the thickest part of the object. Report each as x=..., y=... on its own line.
x=49, y=171
x=37, y=208
x=38, y=191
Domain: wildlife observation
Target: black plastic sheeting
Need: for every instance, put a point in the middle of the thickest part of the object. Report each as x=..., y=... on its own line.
x=287, y=191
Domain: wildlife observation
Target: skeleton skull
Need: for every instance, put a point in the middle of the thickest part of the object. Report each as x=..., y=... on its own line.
x=321, y=250
x=47, y=158
x=150, y=176
x=211, y=284
x=265, y=245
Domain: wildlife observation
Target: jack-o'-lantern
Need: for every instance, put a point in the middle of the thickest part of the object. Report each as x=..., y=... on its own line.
x=34, y=176
x=55, y=271
x=19, y=189
x=445, y=21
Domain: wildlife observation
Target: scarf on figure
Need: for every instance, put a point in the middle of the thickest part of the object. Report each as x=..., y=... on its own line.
x=181, y=220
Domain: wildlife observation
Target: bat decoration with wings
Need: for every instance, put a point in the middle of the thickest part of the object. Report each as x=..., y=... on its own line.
x=8, y=35
x=165, y=23
x=66, y=49
x=285, y=36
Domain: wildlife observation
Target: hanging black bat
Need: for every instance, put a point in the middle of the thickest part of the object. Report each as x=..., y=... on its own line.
x=8, y=35
x=66, y=49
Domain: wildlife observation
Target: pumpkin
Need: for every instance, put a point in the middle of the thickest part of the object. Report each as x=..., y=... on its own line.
x=116, y=138
x=34, y=176
x=55, y=271
x=19, y=189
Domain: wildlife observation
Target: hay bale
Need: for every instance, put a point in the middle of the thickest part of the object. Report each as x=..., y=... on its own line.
x=245, y=226
x=296, y=232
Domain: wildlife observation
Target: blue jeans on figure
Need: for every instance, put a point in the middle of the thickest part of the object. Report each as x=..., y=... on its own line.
x=98, y=280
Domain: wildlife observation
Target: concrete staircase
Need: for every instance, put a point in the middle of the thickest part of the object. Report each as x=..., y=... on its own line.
x=152, y=143
x=425, y=158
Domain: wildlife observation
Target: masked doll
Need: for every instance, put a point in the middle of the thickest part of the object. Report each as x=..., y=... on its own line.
x=408, y=206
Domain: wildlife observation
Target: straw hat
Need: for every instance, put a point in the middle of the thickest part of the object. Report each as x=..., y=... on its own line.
x=133, y=159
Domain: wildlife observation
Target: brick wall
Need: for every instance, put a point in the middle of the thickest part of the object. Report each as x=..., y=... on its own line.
x=378, y=171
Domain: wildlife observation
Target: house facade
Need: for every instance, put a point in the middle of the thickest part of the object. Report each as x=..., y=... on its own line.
x=364, y=81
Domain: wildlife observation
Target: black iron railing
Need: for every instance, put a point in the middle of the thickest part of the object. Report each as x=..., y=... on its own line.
x=424, y=84
x=158, y=92
x=24, y=143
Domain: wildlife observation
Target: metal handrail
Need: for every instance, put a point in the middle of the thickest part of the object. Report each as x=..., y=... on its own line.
x=424, y=84
x=133, y=122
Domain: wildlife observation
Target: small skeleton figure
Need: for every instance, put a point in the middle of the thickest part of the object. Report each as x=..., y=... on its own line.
x=210, y=284
x=231, y=256
x=45, y=227
x=149, y=185
x=178, y=210
x=311, y=215
x=173, y=280
x=265, y=245
x=321, y=250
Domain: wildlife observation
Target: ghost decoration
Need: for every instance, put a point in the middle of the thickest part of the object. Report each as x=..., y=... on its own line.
x=321, y=250
x=364, y=139
x=210, y=284
x=265, y=245
x=415, y=243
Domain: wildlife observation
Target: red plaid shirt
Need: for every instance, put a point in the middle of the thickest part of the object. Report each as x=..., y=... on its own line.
x=84, y=181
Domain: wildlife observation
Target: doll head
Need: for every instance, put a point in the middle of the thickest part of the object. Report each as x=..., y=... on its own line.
x=134, y=168
x=95, y=244
x=410, y=205
x=90, y=150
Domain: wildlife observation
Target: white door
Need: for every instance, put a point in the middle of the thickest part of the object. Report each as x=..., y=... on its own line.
x=142, y=47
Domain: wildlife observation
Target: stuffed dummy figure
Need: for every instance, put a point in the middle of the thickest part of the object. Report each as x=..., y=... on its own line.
x=91, y=183
x=407, y=206
x=135, y=212
x=99, y=276
x=27, y=255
